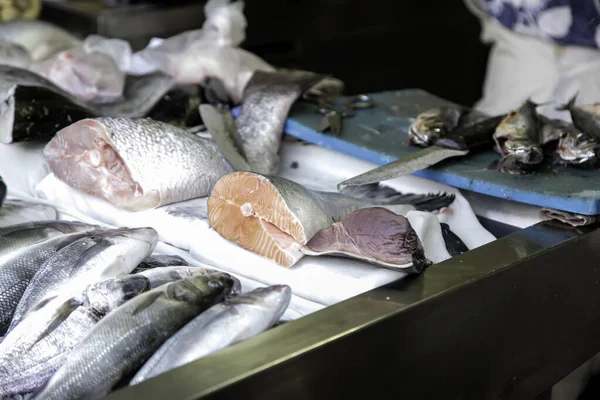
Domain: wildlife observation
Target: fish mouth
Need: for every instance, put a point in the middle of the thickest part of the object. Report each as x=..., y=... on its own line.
x=248, y=210
x=82, y=156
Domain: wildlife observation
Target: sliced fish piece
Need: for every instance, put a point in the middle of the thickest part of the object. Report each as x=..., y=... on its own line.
x=18, y=268
x=95, y=257
x=375, y=235
x=220, y=326
x=162, y=275
x=29, y=356
x=268, y=98
x=15, y=55
x=157, y=261
x=135, y=164
x=124, y=340
x=15, y=212
x=275, y=217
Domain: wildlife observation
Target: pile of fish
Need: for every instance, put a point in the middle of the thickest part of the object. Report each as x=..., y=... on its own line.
x=524, y=138
x=85, y=309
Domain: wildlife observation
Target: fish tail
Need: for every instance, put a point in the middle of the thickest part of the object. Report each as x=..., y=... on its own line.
x=570, y=104
x=385, y=195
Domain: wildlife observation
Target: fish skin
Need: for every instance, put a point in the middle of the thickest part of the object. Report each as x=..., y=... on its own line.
x=156, y=261
x=41, y=39
x=17, y=237
x=433, y=124
x=28, y=361
x=97, y=256
x=153, y=163
x=14, y=212
x=375, y=235
x=163, y=275
x=454, y=244
x=310, y=210
x=220, y=326
x=15, y=55
x=585, y=118
x=123, y=340
x=18, y=268
x=268, y=98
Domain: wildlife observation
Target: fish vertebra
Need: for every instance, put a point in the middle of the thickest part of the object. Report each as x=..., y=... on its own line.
x=222, y=325
x=123, y=340
x=275, y=217
x=29, y=356
x=97, y=256
x=135, y=164
x=434, y=124
x=268, y=98
x=375, y=235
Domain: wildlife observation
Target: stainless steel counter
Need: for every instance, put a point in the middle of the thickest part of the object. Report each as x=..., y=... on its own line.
x=504, y=321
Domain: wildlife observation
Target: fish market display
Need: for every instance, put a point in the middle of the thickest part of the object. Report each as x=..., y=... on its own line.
x=433, y=124
x=127, y=337
x=29, y=356
x=97, y=256
x=135, y=164
x=517, y=140
x=375, y=235
x=585, y=118
x=157, y=261
x=2, y=191
x=19, y=267
x=92, y=77
x=275, y=217
x=222, y=325
x=268, y=98
x=15, y=212
x=39, y=38
x=14, y=55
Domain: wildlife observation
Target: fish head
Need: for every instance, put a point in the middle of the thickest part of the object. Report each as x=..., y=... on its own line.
x=578, y=148
x=201, y=290
x=109, y=294
x=427, y=127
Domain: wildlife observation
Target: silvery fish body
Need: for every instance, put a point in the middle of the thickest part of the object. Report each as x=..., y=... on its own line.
x=162, y=275
x=29, y=356
x=586, y=118
x=156, y=261
x=123, y=340
x=97, y=256
x=135, y=164
x=14, y=55
x=222, y=325
x=15, y=212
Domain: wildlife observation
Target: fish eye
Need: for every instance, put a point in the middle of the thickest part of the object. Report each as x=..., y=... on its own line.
x=214, y=284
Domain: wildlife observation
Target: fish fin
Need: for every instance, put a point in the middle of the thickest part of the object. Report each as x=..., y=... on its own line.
x=61, y=314
x=570, y=104
x=454, y=243
x=385, y=195
x=148, y=300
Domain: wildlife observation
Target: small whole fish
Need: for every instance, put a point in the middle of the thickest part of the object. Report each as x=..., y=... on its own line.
x=268, y=98
x=585, y=118
x=15, y=212
x=434, y=124
x=157, y=261
x=275, y=217
x=35, y=349
x=127, y=337
x=19, y=267
x=135, y=164
x=15, y=55
x=375, y=235
x=97, y=256
x=518, y=140
x=220, y=326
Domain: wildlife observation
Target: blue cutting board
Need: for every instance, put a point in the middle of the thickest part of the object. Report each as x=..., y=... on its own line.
x=379, y=136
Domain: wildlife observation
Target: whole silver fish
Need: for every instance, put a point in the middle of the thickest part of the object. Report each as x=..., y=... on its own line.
x=156, y=261
x=432, y=124
x=586, y=118
x=123, y=340
x=275, y=217
x=268, y=98
x=39, y=38
x=14, y=55
x=135, y=164
x=375, y=235
x=97, y=256
x=162, y=275
x=15, y=212
x=220, y=326
x=19, y=267
x=20, y=236
x=34, y=351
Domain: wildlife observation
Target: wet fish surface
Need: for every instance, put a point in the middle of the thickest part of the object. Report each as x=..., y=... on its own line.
x=586, y=118
x=123, y=340
x=375, y=235
x=569, y=144
x=157, y=261
x=433, y=124
x=162, y=275
x=268, y=98
x=220, y=326
x=29, y=357
x=135, y=164
x=15, y=212
x=97, y=256
x=275, y=217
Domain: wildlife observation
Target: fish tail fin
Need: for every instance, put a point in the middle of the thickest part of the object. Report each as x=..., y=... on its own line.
x=570, y=104
x=386, y=195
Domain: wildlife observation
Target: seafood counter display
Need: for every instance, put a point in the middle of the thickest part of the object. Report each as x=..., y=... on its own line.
x=153, y=213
